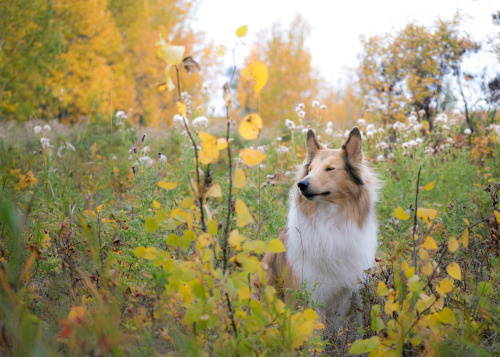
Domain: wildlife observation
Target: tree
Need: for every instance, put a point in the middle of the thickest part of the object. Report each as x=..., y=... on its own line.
x=292, y=78
x=91, y=72
x=413, y=64
x=140, y=22
x=29, y=46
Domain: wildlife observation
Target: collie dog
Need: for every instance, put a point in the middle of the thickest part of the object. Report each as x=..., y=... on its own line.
x=331, y=233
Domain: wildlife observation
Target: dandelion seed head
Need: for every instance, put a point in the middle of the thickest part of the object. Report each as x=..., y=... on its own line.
x=315, y=104
x=289, y=124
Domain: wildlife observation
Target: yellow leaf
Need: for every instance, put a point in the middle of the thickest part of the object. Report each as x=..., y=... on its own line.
x=222, y=143
x=426, y=213
x=429, y=186
x=99, y=208
x=429, y=243
x=172, y=54
x=167, y=185
x=401, y=214
x=89, y=212
x=252, y=157
x=139, y=251
x=452, y=244
x=212, y=227
x=465, y=238
x=187, y=202
x=257, y=72
x=239, y=179
x=410, y=272
x=156, y=204
x=209, y=152
x=446, y=316
x=382, y=289
x=404, y=266
x=497, y=215
x=250, y=126
x=276, y=246
x=214, y=191
x=243, y=216
x=181, y=108
x=235, y=239
x=244, y=293
x=444, y=286
x=454, y=271
x=242, y=31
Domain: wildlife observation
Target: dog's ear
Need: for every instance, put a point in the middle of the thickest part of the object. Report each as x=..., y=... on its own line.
x=352, y=147
x=312, y=145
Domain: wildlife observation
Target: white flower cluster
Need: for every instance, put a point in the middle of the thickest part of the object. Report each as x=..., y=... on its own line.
x=200, y=122
x=45, y=143
x=300, y=110
x=38, y=129
x=282, y=149
x=178, y=119
x=289, y=124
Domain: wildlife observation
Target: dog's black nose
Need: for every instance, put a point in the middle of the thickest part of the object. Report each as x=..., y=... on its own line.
x=303, y=185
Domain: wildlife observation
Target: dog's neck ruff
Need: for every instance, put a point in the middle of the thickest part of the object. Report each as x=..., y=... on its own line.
x=328, y=247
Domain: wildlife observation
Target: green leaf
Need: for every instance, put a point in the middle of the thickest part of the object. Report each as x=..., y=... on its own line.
x=358, y=347
x=173, y=240
x=151, y=224
x=212, y=227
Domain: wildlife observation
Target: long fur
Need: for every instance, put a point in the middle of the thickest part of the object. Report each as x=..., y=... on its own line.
x=331, y=238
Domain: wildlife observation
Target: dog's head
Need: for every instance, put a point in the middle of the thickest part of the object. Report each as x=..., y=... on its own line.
x=332, y=175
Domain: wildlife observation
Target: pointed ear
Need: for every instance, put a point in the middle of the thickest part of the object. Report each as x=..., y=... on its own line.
x=312, y=145
x=352, y=147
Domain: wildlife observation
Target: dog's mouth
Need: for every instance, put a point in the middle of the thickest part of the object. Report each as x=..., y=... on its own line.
x=312, y=195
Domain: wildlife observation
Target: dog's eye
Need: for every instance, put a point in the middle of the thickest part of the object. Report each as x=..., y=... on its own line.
x=329, y=169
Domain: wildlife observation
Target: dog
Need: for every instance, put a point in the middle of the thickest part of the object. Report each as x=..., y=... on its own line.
x=331, y=232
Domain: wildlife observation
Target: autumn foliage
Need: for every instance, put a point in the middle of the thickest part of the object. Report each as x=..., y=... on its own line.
x=122, y=239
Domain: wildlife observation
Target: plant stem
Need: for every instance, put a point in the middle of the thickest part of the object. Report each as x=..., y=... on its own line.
x=195, y=147
x=415, y=223
x=230, y=167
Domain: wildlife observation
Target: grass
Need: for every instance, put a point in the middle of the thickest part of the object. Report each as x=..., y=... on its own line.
x=74, y=282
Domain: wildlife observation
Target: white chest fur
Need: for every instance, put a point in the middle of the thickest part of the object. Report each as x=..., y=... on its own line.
x=330, y=249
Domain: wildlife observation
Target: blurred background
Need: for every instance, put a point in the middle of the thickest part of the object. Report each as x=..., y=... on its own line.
x=375, y=60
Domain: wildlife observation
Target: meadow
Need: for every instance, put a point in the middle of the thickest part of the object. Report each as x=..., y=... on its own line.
x=133, y=215
x=105, y=250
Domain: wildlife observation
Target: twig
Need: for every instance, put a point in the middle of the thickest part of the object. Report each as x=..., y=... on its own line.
x=230, y=167
x=195, y=147
x=415, y=222
x=231, y=315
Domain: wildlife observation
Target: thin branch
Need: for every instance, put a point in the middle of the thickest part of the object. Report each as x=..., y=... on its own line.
x=195, y=147
x=415, y=222
x=230, y=167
